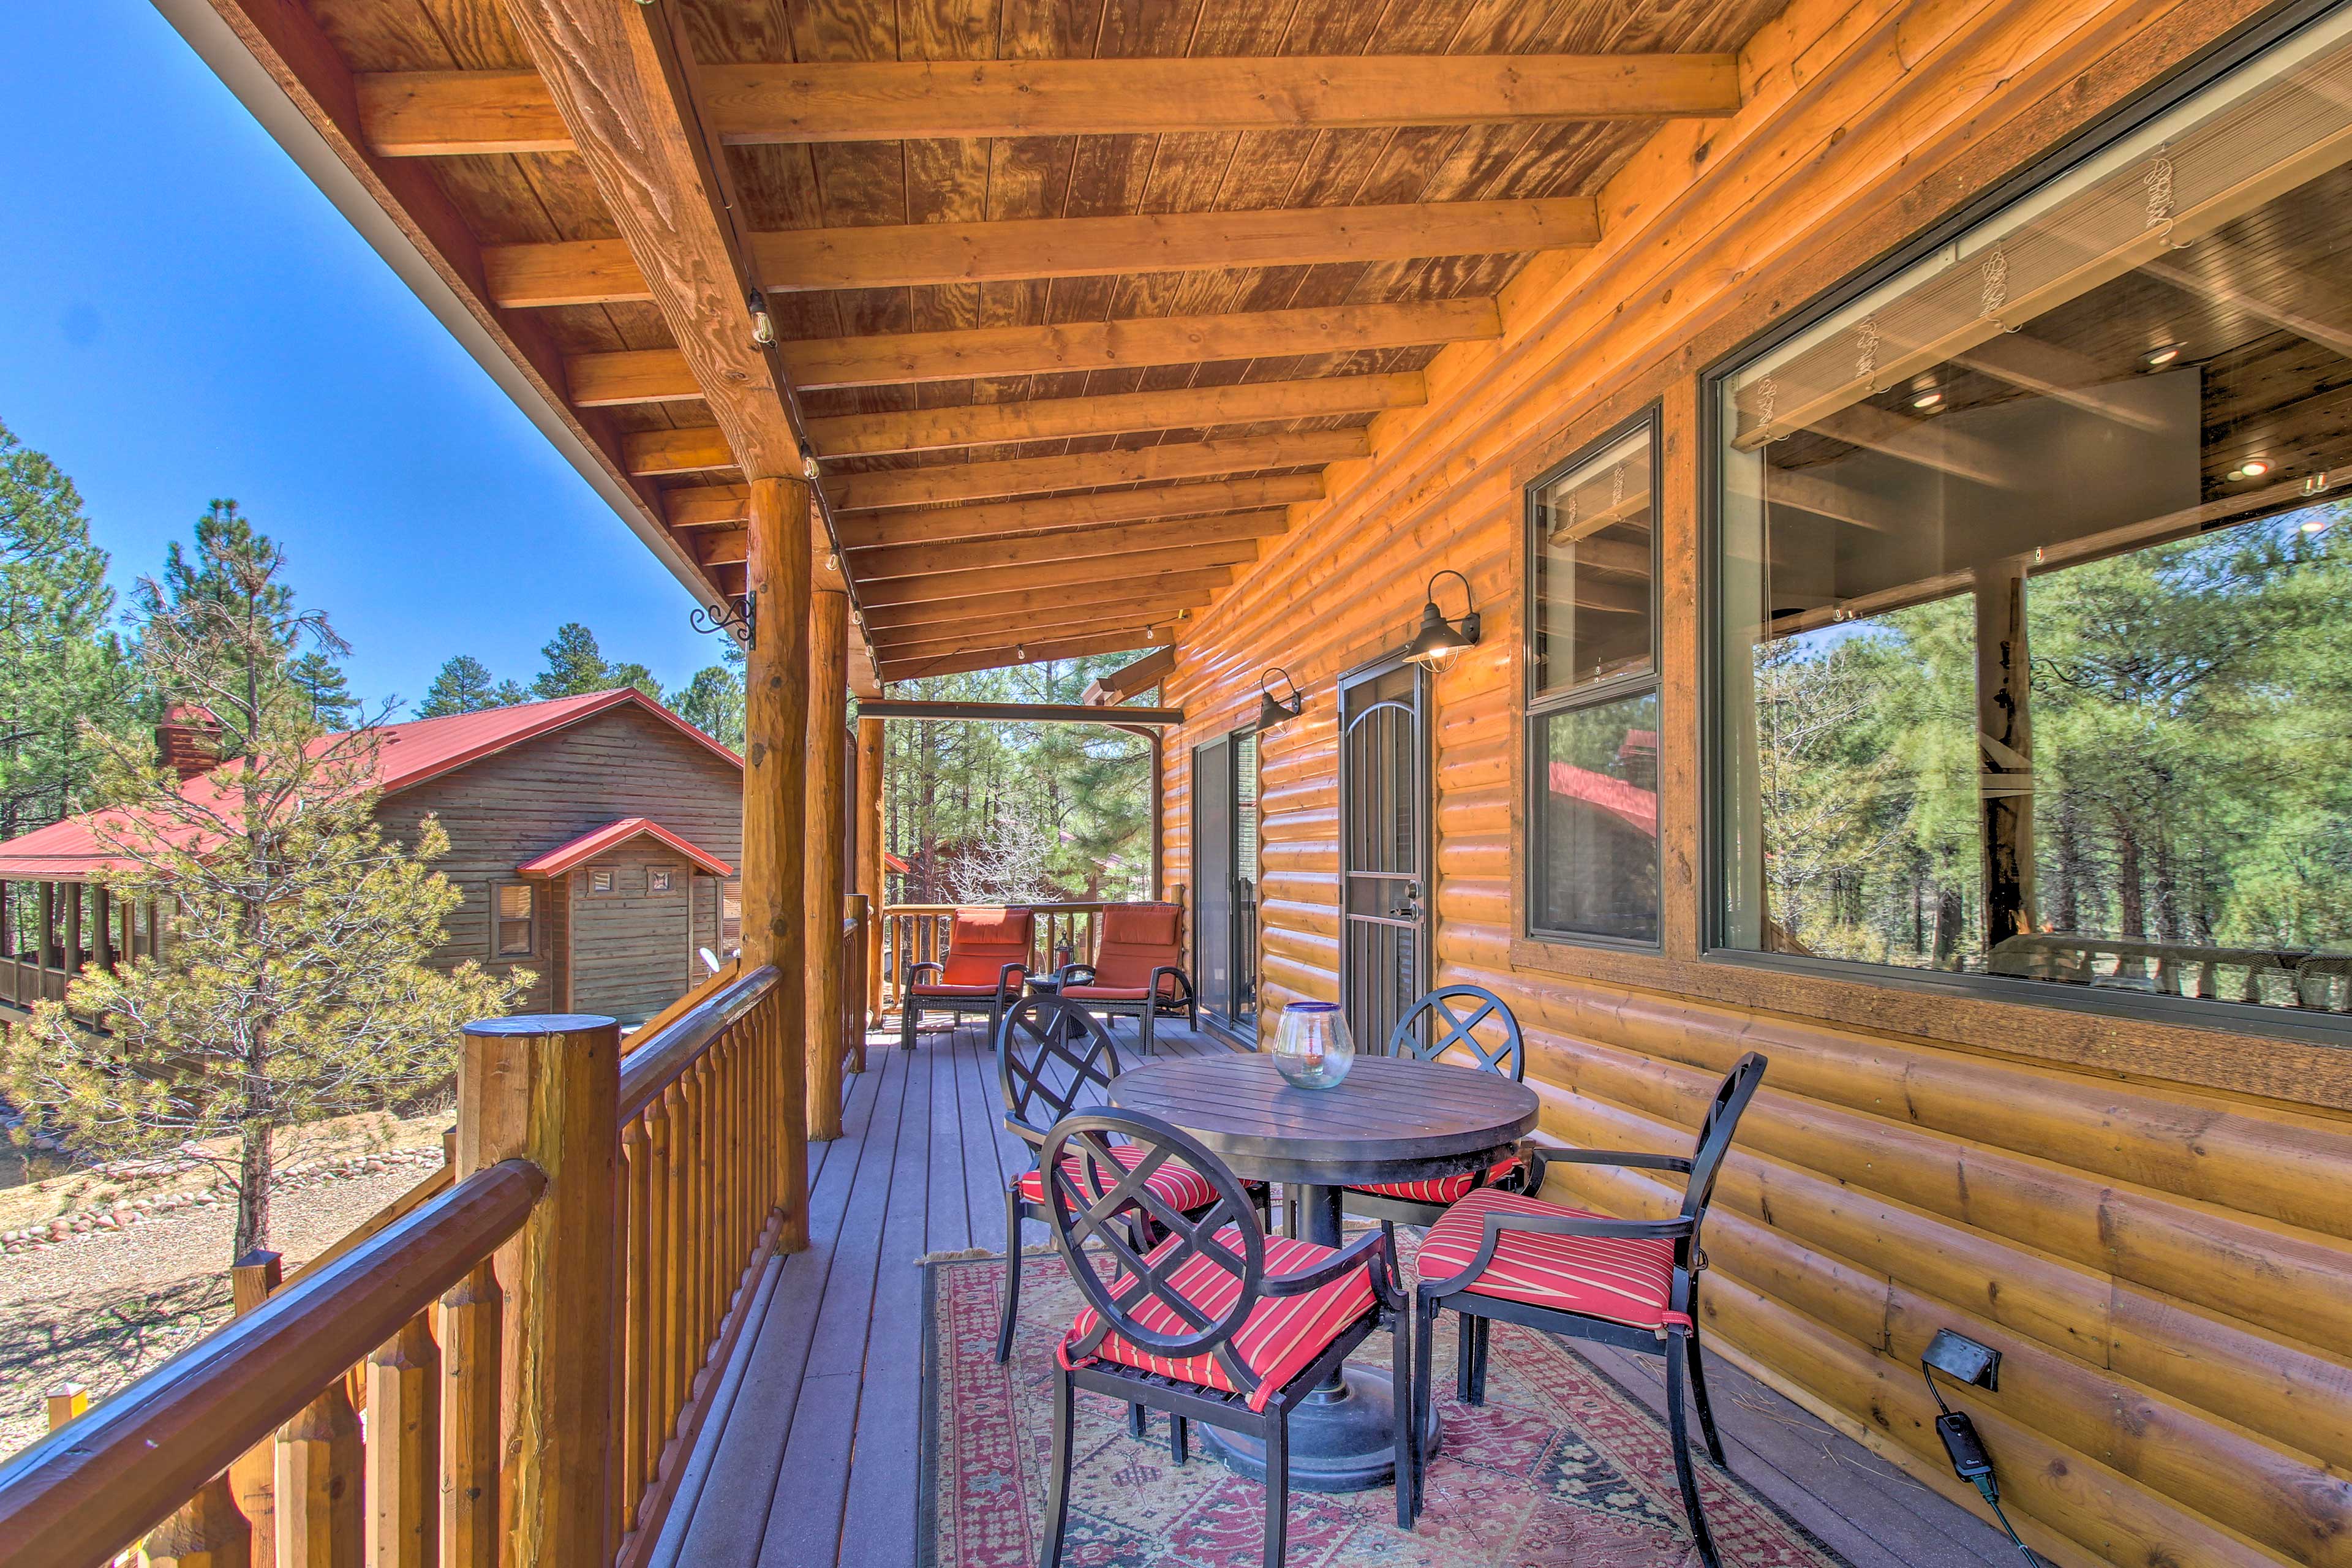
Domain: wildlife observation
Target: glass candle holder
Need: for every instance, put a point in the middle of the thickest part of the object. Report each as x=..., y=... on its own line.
x=1312, y=1047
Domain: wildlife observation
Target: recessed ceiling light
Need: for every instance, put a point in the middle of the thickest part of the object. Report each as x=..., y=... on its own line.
x=2255, y=467
x=1927, y=399
x=2237, y=473
x=2163, y=355
x=2315, y=524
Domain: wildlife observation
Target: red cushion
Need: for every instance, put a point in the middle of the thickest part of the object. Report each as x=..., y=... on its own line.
x=1175, y=1184
x=940, y=988
x=981, y=942
x=1623, y=1282
x=1281, y=1337
x=1120, y=993
x=1440, y=1189
x=1135, y=940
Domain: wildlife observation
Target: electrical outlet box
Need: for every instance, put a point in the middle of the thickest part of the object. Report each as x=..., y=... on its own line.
x=1963, y=1360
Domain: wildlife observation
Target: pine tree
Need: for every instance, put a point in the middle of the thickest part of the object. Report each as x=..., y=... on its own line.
x=512, y=694
x=713, y=703
x=59, y=663
x=632, y=674
x=293, y=986
x=464, y=686
x=575, y=665
x=321, y=682
x=230, y=558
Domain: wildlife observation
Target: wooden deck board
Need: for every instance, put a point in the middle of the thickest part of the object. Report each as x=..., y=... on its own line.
x=813, y=1461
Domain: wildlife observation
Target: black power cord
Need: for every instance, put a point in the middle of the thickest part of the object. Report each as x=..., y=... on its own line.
x=1970, y=1461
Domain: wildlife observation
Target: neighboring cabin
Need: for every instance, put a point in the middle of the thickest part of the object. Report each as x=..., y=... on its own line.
x=595, y=839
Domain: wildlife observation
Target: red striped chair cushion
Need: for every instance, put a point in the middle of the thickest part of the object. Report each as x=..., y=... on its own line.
x=1440, y=1189
x=1175, y=1184
x=1282, y=1336
x=1623, y=1282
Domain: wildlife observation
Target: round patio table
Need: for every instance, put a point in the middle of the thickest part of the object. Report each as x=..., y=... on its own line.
x=1391, y=1119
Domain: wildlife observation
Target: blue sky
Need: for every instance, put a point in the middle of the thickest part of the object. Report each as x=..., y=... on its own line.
x=187, y=317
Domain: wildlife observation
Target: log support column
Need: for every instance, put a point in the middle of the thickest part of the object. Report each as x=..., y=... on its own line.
x=547, y=1089
x=2005, y=749
x=869, y=858
x=827, y=760
x=775, y=732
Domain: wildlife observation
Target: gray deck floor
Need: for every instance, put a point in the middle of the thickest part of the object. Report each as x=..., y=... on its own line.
x=808, y=1458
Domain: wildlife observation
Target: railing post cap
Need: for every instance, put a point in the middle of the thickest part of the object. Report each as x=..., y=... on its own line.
x=529, y=1023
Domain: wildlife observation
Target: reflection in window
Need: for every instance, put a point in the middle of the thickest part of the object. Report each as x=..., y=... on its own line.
x=1592, y=719
x=2032, y=579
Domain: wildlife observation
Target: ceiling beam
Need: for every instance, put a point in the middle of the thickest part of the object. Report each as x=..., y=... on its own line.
x=894, y=255
x=1119, y=414
x=862, y=531
x=889, y=359
x=1017, y=712
x=708, y=506
x=446, y=113
x=695, y=448
x=1029, y=629
x=915, y=560
x=1023, y=653
x=1163, y=598
x=948, y=482
x=999, y=577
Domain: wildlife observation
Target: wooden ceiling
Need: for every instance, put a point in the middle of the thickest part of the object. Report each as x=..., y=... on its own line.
x=1072, y=300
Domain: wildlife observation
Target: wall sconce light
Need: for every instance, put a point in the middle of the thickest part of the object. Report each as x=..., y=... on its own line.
x=1438, y=640
x=1273, y=710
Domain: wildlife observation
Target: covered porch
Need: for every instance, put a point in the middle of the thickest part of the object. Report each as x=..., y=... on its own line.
x=1807, y=530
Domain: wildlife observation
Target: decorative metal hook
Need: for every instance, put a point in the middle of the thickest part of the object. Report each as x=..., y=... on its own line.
x=739, y=618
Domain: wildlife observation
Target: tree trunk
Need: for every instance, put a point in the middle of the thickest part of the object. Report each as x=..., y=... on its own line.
x=2131, y=897
x=253, y=1173
x=2066, y=910
x=1951, y=916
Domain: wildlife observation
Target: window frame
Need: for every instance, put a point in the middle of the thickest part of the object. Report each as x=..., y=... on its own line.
x=2192, y=77
x=612, y=880
x=667, y=883
x=537, y=919
x=1536, y=707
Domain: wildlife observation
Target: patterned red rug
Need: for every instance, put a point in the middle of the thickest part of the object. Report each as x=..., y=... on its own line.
x=1560, y=1468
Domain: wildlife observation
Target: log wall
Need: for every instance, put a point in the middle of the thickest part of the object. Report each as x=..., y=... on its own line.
x=2149, y=1220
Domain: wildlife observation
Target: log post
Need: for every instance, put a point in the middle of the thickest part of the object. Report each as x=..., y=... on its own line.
x=775, y=728
x=317, y=1483
x=206, y=1531
x=252, y=1280
x=470, y=1365
x=869, y=858
x=1157, y=740
x=546, y=1088
x=822, y=871
x=2005, y=744
x=402, y=1470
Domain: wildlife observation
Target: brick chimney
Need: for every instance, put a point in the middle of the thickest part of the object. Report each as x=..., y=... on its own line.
x=189, y=740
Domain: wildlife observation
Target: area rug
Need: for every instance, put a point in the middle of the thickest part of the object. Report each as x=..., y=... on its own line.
x=1560, y=1468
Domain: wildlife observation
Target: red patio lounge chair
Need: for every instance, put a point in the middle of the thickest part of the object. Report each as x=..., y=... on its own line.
x=1138, y=968
x=987, y=960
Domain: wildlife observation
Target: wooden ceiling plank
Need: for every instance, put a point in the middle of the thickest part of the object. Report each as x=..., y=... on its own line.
x=448, y=113
x=1239, y=531
x=708, y=506
x=1019, y=653
x=892, y=101
x=563, y=272
x=1057, y=418
x=999, y=577
x=630, y=375
x=1039, y=627
x=887, y=358
x=994, y=608
x=866, y=531
x=951, y=482
x=695, y=448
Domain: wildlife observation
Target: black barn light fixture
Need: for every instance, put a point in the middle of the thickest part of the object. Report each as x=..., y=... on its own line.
x=1273, y=710
x=1438, y=640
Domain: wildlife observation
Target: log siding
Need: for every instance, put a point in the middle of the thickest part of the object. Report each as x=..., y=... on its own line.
x=2145, y=1218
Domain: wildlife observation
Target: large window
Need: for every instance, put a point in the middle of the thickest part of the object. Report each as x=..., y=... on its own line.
x=2033, y=657
x=1593, y=693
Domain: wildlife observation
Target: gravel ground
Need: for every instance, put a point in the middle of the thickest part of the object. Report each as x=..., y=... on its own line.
x=103, y=1307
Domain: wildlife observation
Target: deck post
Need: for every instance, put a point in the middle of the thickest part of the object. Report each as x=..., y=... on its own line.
x=827, y=760
x=546, y=1088
x=775, y=728
x=870, y=857
x=2005, y=741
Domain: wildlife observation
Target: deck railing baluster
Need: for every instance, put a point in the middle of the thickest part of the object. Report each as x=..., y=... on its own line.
x=404, y=1434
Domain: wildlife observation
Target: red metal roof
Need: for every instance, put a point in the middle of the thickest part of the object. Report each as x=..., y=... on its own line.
x=1635, y=806
x=406, y=755
x=612, y=836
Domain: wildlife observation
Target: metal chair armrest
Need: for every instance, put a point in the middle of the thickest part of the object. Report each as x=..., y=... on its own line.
x=1069, y=975
x=1624, y=1157
x=1183, y=984
x=915, y=971
x=1367, y=1251
x=1011, y=978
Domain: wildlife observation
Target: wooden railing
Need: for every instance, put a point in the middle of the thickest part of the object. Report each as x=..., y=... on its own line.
x=2278, y=976
x=154, y=1460
x=702, y=1183
x=534, y=1414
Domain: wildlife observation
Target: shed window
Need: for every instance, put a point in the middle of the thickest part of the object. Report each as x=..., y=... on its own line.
x=1593, y=693
x=657, y=879
x=515, y=927
x=2029, y=571
x=600, y=879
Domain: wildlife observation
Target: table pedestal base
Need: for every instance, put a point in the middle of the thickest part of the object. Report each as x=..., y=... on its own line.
x=1342, y=1437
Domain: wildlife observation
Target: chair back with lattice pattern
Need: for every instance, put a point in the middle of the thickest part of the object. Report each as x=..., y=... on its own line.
x=1715, y=1134
x=1443, y=1021
x=1203, y=1277
x=1052, y=1058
